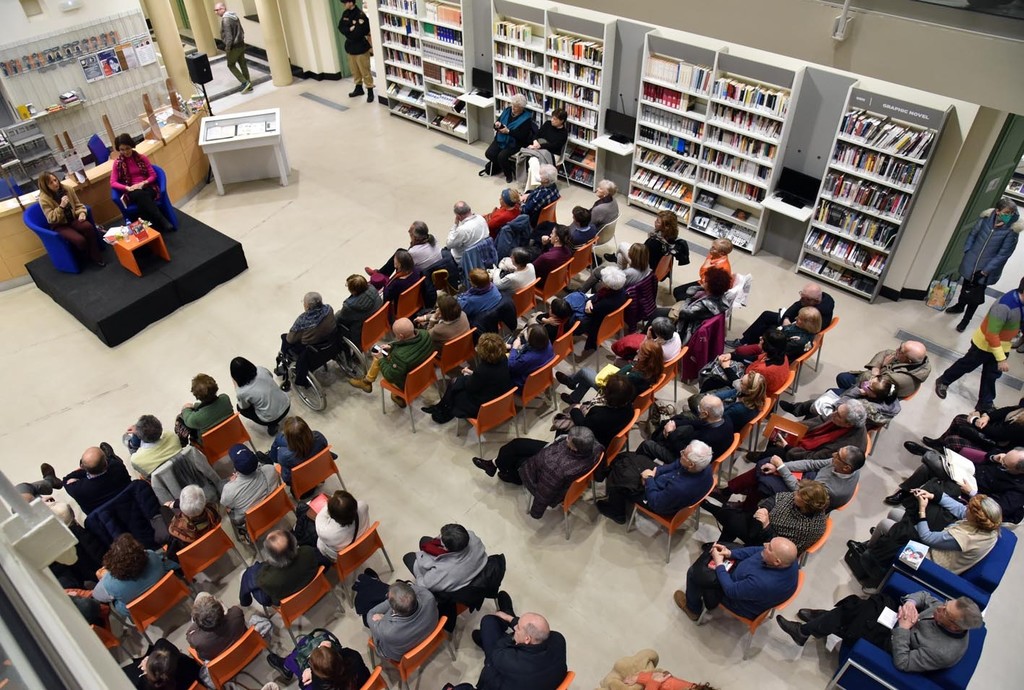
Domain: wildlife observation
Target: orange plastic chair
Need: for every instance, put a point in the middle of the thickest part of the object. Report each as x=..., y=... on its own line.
x=643, y=401
x=492, y=415
x=820, y=340
x=672, y=371
x=293, y=607
x=792, y=427
x=621, y=439
x=205, y=551
x=263, y=516
x=555, y=282
x=754, y=623
x=798, y=365
x=358, y=552
x=218, y=440
x=567, y=683
x=375, y=681
x=547, y=213
x=106, y=636
x=411, y=300
x=576, y=491
x=149, y=606
x=581, y=258
x=664, y=270
x=374, y=328
x=523, y=298
x=563, y=343
x=716, y=464
x=416, y=381
x=418, y=656
x=777, y=393
x=612, y=324
x=314, y=472
x=816, y=546
x=536, y=383
x=456, y=352
x=676, y=522
x=234, y=659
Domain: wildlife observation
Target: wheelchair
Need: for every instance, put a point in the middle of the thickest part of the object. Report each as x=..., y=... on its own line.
x=341, y=351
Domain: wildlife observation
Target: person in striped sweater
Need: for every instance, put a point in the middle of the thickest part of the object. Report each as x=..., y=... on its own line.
x=990, y=346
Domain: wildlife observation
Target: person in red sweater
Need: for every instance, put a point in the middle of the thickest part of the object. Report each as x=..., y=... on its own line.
x=135, y=178
x=506, y=210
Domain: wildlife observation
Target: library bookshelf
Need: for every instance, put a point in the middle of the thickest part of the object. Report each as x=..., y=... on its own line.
x=425, y=65
x=880, y=156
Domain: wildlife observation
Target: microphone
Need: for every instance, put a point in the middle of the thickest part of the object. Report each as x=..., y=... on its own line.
x=623, y=101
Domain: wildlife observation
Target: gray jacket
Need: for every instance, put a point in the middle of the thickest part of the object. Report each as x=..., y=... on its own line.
x=926, y=646
x=231, y=31
x=450, y=572
x=908, y=376
x=245, y=491
x=395, y=635
x=840, y=487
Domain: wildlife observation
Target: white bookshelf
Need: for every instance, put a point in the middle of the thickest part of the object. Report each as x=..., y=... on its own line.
x=425, y=66
x=878, y=161
x=519, y=54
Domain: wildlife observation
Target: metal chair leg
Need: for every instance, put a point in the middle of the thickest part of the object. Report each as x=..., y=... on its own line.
x=387, y=558
x=632, y=519
x=383, y=404
x=668, y=548
x=342, y=481
x=412, y=419
x=565, y=515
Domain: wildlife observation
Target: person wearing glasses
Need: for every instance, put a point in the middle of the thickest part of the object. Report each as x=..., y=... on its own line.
x=907, y=366
x=811, y=295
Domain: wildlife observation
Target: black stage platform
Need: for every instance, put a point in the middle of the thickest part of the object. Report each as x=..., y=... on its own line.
x=115, y=304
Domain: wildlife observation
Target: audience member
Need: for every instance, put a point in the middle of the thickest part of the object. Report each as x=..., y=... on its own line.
x=844, y=427
x=543, y=196
x=514, y=272
x=259, y=397
x=513, y=130
x=610, y=296
x=772, y=363
x=339, y=523
x=449, y=562
x=742, y=403
x=664, y=489
x=661, y=330
x=249, y=484
x=149, y=445
x=361, y=304
x=485, y=381
x=79, y=570
x=296, y=444
x=799, y=516
x=209, y=410
x=689, y=314
x=710, y=426
x=423, y=248
x=607, y=414
x=129, y=571
x=288, y=568
x=529, y=355
x=315, y=325
x=660, y=241
x=929, y=634
x=163, y=667
x=643, y=372
x=907, y=366
x=405, y=276
x=403, y=620
x=447, y=322
x=213, y=629
x=559, y=253
x=633, y=263
x=976, y=434
x=411, y=347
x=558, y=319
x=192, y=517
x=506, y=210
x=548, y=144
x=481, y=297
x=877, y=395
x=326, y=667
x=718, y=257
x=799, y=336
x=469, y=228
x=838, y=471
x=100, y=476
x=606, y=208
x=811, y=295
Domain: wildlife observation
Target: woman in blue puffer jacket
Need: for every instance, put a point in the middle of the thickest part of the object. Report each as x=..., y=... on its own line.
x=986, y=251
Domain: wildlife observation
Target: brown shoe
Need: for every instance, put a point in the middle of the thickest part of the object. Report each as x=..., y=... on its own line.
x=398, y=401
x=680, y=598
x=361, y=384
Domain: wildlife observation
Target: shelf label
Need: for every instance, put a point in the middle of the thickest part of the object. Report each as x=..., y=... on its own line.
x=894, y=107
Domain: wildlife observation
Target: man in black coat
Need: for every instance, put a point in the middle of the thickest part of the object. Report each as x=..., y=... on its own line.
x=711, y=427
x=355, y=27
x=811, y=295
x=532, y=657
x=100, y=476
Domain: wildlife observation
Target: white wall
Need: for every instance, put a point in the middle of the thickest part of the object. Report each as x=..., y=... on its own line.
x=18, y=28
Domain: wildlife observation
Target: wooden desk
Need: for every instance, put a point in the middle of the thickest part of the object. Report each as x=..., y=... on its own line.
x=126, y=248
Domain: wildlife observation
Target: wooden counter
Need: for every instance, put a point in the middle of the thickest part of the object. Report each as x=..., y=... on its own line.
x=180, y=157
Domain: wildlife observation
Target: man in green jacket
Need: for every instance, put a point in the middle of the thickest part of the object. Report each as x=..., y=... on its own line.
x=412, y=346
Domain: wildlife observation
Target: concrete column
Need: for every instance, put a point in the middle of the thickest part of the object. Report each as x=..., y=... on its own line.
x=198, y=17
x=171, y=50
x=273, y=36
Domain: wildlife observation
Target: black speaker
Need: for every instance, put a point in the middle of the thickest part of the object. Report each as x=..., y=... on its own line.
x=199, y=68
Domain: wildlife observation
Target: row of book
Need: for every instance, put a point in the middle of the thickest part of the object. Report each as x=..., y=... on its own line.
x=582, y=175
x=449, y=77
x=407, y=6
x=402, y=39
x=517, y=54
x=576, y=131
x=683, y=147
x=665, y=119
x=732, y=185
x=520, y=74
x=402, y=57
x=851, y=253
x=751, y=95
x=893, y=169
x=674, y=166
x=659, y=202
x=763, y=126
x=867, y=194
x=409, y=94
x=716, y=227
x=451, y=122
x=670, y=98
x=444, y=35
x=884, y=134
x=576, y=92
x=664, y=185
x=396, y=73
x=568, y=68
x=410, y=111
x=843, y=220
x=442, y=98
x=577, y=113
x=580, y=155
x=576, y=48
x=513, y=31
x=836, y=272
x=443, y=56
x=399, y=25
x=740, y=166
x=747, y=145
x=509, y=90
x=443, y=13
x=691, y=77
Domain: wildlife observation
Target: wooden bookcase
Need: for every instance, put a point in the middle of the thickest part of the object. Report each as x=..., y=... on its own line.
x=881, y=154
x=425, y=66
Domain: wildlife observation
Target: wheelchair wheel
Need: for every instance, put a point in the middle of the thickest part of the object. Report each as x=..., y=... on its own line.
x=350, y=359
x=313, y=396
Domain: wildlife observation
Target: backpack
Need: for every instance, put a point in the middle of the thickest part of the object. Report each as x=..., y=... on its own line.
x=307, y=643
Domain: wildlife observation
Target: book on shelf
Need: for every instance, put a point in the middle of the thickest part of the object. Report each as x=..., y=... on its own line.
x=445, y=13
x=756, y=124
x=706, y=199
x=894, y=170
x=513, y=31
x=883, y=133
x=691, y=77
x=751, y=95
x=576, y=48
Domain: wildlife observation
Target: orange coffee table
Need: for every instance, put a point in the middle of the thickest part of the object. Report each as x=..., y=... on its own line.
x=125, y=249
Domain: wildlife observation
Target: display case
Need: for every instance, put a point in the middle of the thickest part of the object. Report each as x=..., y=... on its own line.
x=245, y=146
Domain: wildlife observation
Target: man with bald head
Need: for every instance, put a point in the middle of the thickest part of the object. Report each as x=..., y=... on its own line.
x=907, y=366
x=532, y=657
x=469, y=228
x=100, y=476
x=759, y=578
x=811, y=295
x=411, y=347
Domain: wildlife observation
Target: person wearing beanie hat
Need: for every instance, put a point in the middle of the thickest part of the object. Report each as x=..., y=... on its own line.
x=250, y=484
x=505, y=212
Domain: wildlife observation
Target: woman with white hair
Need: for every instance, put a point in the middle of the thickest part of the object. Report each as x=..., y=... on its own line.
x=606, y=208
x=193, y=517
x=513, y=130
x=609, y=296
x=546, y=194
x=213, y=629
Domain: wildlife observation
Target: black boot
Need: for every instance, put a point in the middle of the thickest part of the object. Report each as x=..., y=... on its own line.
x=358, y=91
x=957, y=308
x=369, y=95
x=896, y=498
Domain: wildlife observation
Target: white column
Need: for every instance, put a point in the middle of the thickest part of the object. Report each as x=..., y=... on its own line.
x=273, y=36
x=171, y=50
x=198, y=17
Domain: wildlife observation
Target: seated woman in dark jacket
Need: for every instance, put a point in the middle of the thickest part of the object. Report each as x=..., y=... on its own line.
x=489, y=379
x=526, y=358
x=799, y=336
x=610, y=296
x=772, y=363
x=611, y=412
x=360, y=305
x=796, y=515
x=210, y=409
x=977, y=434
x=405, y=276
x=560, y=252
x=294, y=445
x=643, y=372
x=707, y=302
x=163, y=667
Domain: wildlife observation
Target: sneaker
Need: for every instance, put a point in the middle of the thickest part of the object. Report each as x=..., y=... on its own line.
x=940, y=389
x=734, y=343
x=792, y=628
x=361, y=384
x=679, y=596
x=247, y=87
x=486, y=465
x=277, y=663
x=398, y=401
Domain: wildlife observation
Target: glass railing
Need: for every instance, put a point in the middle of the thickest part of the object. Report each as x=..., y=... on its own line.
x=1002, y=18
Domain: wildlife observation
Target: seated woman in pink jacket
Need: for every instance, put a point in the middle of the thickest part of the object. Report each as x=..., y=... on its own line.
x=134, y=177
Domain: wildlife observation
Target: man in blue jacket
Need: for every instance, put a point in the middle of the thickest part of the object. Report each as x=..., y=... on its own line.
x=757, y=579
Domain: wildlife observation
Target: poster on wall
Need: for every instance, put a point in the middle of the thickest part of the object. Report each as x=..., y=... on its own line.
x=109, y=62
x=126, y=55
x=91, y=67
x=144, y=51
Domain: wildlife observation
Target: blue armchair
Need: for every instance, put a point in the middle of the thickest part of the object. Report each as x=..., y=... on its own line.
x=864, y=666
x=130, y=212
x=57, y=248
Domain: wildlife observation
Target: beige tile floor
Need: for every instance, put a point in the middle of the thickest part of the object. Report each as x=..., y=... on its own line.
x=359, y=177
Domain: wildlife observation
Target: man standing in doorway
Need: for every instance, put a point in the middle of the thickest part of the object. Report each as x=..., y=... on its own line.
x=355, y=27
x=233, y=36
